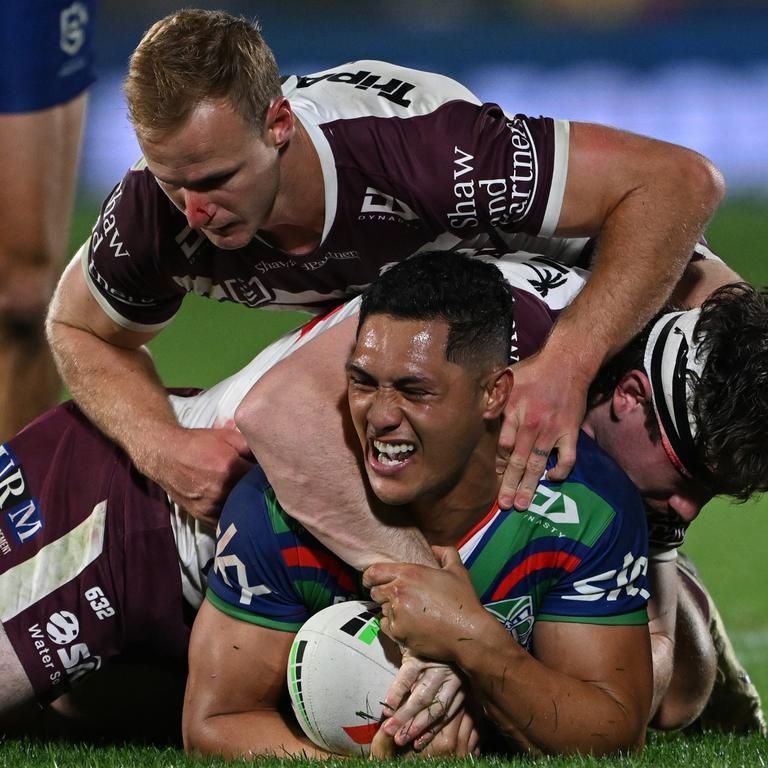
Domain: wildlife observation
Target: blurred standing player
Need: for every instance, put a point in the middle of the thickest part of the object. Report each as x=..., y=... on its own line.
x=46, y=58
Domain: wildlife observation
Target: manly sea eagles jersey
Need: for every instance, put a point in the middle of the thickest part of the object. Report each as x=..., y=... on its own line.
x=410, y=161
x=579, y=554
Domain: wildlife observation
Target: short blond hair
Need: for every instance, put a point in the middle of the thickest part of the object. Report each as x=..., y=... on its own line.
x=193, y=56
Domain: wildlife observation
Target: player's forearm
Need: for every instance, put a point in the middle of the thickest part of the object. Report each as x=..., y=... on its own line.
x=699, y=281
x=118, y=389
x=249, y=734
x=649, y=219
x=542, y=710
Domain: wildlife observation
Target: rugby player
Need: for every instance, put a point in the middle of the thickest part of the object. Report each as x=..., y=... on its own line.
x=297, y=194
x=428, y=381
x=47, y=65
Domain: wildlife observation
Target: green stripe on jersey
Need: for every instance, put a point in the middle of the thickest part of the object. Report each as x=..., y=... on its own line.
x=276, y=513
x=314, y=596
x=621, y=619
x=251, y=618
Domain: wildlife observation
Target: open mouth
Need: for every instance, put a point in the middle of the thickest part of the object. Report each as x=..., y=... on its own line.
x=392, y=454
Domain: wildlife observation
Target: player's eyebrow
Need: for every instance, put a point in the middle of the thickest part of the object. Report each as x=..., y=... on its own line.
x=401, y=382
x=204, y=182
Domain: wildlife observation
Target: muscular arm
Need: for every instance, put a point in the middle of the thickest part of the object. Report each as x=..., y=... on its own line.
x=110, y=374
x=586, y=688
x=699, y=280
x=649, y=202
x=298, y=409
x=235, y=688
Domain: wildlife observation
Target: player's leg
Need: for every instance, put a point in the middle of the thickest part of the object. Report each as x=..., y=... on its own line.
x=734, y=704
x=38, y=152
x=39, y=155
x=15, y=688
x=710, y=689
x=694, y=662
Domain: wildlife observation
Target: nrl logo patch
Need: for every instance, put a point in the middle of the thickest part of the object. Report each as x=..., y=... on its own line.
x=517, y=617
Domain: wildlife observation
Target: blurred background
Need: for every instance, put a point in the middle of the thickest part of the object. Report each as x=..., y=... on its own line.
x=694, y=72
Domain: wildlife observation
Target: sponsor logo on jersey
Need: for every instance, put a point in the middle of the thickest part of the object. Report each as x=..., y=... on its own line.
x=516, y=615
x=125, y=298
x=393, y=90
x=555, y=506
x=223, y=563
x=23, y=513
x=549, y=276
x=44, y=652
x=62, y=627
x=379, y=206
x=464, y=213
x=105, y=231
x=190, y=241
x=72, y=21
x=251, y=292
x=610, y=585
x=25, y=520
x=501, y=201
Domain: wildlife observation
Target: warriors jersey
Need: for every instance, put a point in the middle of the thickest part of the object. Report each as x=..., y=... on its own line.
x=578, y=555
x=410, y=160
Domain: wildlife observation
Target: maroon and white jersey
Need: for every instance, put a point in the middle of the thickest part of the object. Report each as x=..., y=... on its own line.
x=410, y=160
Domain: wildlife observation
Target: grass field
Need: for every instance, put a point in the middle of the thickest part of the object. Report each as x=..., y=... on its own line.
x=729, y=543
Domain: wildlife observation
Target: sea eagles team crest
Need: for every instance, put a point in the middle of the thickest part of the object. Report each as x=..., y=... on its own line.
x=517, y=617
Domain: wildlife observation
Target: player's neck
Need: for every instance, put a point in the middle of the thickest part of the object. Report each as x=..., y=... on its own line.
x=447, y=517
x=298, y=217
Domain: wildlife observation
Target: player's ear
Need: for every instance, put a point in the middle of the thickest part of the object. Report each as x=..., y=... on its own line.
x=631, y=393
x=280, y=123
x=498, y=387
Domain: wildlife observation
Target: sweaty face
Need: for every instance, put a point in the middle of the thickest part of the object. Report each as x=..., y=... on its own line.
x=218, y=172
x=418, y=416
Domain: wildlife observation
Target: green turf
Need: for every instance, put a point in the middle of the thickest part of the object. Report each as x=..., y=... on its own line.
x=662, y=751
x=728, y=543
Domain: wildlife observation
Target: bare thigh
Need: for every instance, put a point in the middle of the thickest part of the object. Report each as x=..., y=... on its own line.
x=15, y=689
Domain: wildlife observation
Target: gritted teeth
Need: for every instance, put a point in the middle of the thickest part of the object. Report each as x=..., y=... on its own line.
x=393, y=453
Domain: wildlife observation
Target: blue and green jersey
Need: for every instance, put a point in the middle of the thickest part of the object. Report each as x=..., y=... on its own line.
x=579, y=554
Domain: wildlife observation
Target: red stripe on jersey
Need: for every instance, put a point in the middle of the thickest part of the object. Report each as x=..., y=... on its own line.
x=303, y=557
x=361, y=734
x=310, y=324
x=533, y=563
x=476, y=528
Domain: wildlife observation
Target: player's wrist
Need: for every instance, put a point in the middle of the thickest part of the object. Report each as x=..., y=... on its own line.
x=473, y=654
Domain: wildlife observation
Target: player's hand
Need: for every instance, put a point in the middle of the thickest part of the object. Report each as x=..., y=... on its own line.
x=429, y=610
x=458, y=737
x=424, y=695
x=200, y=467
x=544, y=413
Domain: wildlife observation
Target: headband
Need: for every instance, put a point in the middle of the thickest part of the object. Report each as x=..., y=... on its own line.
x=673, y=364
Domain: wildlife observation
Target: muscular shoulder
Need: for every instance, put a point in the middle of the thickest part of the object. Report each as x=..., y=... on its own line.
x=268, y=570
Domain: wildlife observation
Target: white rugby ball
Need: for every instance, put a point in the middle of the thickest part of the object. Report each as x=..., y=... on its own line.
x=340, y=668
